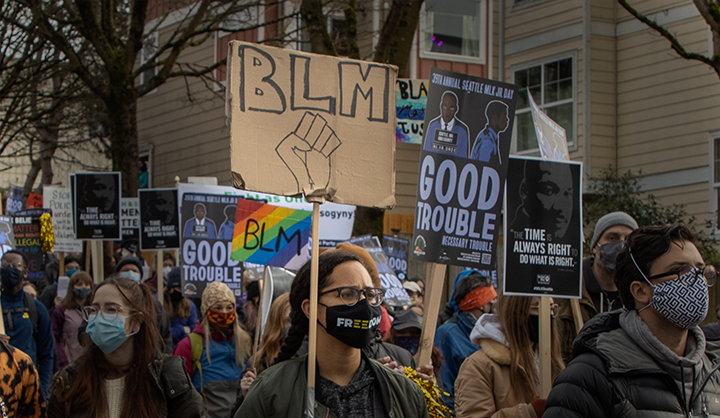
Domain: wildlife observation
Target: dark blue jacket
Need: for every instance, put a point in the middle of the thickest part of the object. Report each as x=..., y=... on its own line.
x=453, y=339
x=177, y=324
x=40, y=349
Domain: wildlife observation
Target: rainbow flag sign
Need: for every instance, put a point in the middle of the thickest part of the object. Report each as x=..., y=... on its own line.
x=270, y=235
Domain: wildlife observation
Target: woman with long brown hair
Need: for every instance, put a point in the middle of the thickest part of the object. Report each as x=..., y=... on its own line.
x=122, y=374
x=501, y=379
x=276, y=329
x=67, y=318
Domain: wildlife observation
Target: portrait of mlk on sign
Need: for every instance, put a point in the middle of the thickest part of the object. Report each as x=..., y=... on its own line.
x=547, y=195
x=307, y=152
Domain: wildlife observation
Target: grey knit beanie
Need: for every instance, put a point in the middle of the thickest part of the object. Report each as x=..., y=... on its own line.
x=610, y=220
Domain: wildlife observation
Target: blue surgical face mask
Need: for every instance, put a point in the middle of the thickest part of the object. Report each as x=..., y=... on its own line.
x=132, y=275
x=69, y=273
x=107, y=335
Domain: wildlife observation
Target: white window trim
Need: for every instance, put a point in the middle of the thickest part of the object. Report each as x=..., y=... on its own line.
x=526, y=4
x=154, y=38
x=482, y=59
x=572, y=142
x=713, y=186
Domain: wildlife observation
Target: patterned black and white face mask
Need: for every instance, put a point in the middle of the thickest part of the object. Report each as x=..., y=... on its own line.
x=683, y=301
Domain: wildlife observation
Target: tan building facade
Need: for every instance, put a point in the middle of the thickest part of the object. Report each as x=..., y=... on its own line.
x=626, y=100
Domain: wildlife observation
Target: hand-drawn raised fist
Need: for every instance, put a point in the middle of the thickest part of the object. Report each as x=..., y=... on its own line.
x=307, y=151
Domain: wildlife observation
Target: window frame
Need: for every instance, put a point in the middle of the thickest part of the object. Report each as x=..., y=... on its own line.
x=484, y=33
x=572, y=142
x=154, y=38
x=713, y=185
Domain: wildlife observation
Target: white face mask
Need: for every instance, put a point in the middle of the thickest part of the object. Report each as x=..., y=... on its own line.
x=166, y=271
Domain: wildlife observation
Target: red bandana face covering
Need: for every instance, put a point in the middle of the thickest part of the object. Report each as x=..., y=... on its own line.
x=221, y=321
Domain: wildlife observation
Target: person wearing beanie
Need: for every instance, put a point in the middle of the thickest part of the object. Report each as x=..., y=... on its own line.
x=181, y=311
x=607, y=241
x=599, y=293
x=474, y=296
x=216, y=351
x=131, y=268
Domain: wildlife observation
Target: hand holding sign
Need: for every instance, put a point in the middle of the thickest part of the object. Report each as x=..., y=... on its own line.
x=307, y=150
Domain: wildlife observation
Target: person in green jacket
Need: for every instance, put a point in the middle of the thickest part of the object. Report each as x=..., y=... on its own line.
x=348, y=383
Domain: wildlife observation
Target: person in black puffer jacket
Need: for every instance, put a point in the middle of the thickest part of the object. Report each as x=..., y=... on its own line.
x=651, y=359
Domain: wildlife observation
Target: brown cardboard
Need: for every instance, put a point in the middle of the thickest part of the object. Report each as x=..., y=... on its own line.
x=313, y=124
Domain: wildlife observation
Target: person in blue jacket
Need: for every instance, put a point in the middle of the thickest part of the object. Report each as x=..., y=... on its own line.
x=474, y=296
x=216, y=351
x=181, y=311
x=28, y=327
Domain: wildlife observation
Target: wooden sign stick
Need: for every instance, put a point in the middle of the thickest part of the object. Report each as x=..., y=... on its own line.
x=577, y=314
x=434, y=283
x=312, y=337
x=544, y=349
x=88, y=254
x=61, y=269
x=97, y=261
x=159, y=272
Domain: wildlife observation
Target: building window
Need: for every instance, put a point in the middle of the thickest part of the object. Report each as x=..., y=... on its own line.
x=453, y=30
x=553, y=89
x=150, y=46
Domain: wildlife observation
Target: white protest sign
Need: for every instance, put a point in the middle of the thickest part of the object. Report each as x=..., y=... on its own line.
x=550, y=135
x=312, y=124
x=58, y=200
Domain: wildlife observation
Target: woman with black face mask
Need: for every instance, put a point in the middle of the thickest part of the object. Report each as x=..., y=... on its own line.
x=67, y=318
x=181, y=312
x=348, y=383
x=501, y=379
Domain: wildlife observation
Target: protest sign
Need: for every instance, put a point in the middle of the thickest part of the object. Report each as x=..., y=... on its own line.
x=206, y=247
x=336, y=220
x=57, y=199
x=276, y=281
x=35, y=201
x=130, y=218
x=159, y=219
x=410, y=102
x=26, y=229
x=543, y=228
x=270, y=235
x=14, y=199
x=97, y=206
x=7, y=238
x=395, y=295
x=312, y=124
x=462, y=169
x=551, y=136
x=396, y=249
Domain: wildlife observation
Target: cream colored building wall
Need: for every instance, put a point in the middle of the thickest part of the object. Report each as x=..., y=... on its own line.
x=666, y=105
x=188, y=138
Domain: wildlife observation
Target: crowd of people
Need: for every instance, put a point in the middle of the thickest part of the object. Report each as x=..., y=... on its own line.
x=114, y=350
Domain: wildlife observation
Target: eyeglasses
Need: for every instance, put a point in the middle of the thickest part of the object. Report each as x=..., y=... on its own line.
x=351, y=295
x=16, y=265
x=554, y=308
x=109, y=312
x=708, y=273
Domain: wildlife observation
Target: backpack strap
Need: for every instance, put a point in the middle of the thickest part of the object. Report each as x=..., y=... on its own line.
x=32, y=312
x=196, y=341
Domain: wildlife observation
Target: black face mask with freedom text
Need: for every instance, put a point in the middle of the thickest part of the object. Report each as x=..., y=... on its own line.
x=353, y=325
